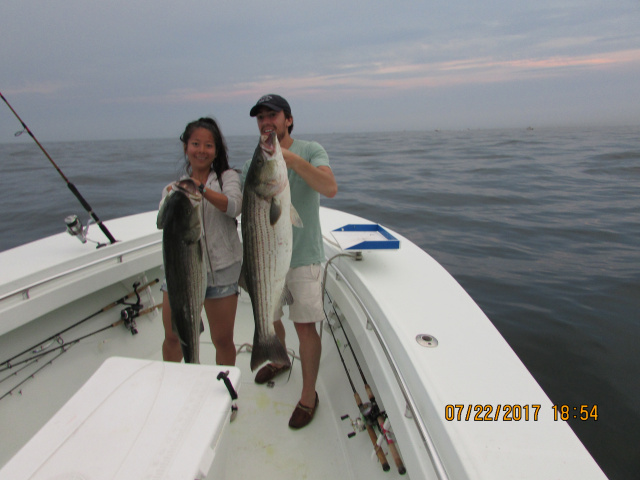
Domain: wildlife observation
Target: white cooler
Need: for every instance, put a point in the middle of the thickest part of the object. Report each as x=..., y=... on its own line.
x=135, y=419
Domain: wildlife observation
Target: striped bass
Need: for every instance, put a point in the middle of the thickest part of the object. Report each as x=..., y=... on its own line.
x=267, y=218
x=180, y=219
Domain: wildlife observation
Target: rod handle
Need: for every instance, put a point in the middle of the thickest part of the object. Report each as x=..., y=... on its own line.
x=392, y=448
x=372, y=398
x=381, y=456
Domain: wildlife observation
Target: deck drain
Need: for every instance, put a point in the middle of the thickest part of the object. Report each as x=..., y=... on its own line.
x=427, y=340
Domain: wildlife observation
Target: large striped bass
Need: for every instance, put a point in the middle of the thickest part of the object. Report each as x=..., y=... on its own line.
x=180, y=219
x=267, y=218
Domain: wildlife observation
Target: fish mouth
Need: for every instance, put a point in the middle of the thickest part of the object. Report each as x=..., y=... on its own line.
x=188, y=188
x=267, y=142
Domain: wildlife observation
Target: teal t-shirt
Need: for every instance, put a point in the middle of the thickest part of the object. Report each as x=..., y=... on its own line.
x=308, y=247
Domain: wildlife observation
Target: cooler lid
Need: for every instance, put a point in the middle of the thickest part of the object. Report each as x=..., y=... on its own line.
x=133, y=419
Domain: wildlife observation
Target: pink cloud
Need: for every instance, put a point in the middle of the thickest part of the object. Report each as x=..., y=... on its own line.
x=381, y=77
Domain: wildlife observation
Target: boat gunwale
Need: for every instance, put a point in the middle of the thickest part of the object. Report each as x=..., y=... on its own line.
x=436, y=461
x=466, y=459
x=25, y=289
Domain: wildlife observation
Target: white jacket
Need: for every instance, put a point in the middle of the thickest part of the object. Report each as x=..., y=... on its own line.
x=220, y=228
x=220, y=232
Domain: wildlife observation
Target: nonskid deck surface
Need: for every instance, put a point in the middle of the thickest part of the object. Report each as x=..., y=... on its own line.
x=261, y=444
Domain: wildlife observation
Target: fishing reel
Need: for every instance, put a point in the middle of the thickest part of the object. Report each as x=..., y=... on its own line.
x=357, y=425
x=76, y=229
x=129, y=313
x=366, y=410
x=370, y=412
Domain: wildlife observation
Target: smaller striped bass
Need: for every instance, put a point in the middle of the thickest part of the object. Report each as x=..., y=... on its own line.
x=180, y=219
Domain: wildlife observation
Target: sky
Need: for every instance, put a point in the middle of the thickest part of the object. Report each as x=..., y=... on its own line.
x=128, y=69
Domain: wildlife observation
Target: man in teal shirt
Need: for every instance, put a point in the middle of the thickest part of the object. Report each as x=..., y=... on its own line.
x=309, y=176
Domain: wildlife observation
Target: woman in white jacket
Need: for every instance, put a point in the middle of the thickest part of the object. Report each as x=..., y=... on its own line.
x=207, y=164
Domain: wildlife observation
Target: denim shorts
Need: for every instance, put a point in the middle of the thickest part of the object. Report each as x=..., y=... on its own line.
x=222, y=291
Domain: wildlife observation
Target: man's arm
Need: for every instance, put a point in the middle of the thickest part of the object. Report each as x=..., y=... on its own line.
x=320, y=178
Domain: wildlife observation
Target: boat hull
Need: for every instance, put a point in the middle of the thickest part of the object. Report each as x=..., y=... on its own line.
x=390, y=304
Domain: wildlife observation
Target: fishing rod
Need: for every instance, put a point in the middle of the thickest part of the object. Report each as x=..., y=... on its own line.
x=64, y=348
x=126, y=318
x=392, y=444
x=71, y=186
x=375, y=410
x=7, y=363
x=15, y=373
x=10, y=392
x=372, y=435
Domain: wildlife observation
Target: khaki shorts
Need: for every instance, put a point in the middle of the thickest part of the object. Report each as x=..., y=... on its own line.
x=305, y=285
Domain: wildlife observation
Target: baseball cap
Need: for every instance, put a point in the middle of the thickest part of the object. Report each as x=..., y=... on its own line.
x=273, y=102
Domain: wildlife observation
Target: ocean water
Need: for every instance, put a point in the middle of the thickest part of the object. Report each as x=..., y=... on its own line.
x=541, y=227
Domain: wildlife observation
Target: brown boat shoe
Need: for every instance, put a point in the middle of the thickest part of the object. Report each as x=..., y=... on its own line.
x=269, y=372
x=302, y=415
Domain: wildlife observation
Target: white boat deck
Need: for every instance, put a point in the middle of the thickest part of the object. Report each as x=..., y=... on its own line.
x=261, y=445
x=408, y=294
x=261, y=433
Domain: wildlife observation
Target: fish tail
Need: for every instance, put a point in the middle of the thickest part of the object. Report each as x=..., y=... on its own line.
x=268, y=349
x=190, y=356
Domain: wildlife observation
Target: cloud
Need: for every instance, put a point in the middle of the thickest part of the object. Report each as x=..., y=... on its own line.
x=139, y=64
x=37, y=88
x=364, y=79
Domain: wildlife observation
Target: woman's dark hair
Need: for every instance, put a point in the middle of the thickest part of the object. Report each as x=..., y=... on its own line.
x=221, y=162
